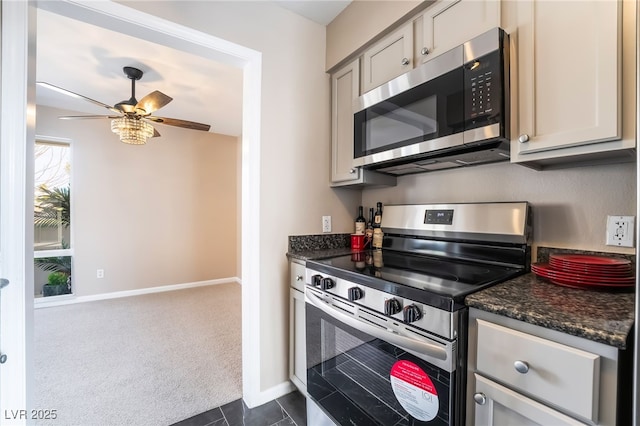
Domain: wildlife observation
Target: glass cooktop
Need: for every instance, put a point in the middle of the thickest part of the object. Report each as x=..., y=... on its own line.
x=443, y=276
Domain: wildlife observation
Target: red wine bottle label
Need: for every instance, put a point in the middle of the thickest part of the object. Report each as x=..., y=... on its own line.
x=360, y=226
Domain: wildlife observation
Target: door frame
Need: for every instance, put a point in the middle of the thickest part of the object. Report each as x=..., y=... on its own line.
x=17, y=110
x=138, y=24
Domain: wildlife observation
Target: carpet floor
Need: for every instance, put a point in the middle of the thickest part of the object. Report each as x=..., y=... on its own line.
x=144, y=360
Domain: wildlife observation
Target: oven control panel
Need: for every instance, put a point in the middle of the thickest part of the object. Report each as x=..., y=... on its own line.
x=405, y=311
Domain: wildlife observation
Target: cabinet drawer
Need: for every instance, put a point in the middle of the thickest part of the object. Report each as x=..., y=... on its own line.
x=558, y=374
x=296, y=275
x=497, y=405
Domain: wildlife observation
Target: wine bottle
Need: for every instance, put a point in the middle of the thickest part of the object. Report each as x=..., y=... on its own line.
x=360, y=222
x=369, y=231
x=378, y=235
x=377, y=219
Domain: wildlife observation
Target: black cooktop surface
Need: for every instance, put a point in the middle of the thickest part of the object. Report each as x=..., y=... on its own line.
x=436, y=279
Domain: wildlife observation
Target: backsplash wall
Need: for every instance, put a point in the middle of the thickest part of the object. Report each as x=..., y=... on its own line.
x=570, y=206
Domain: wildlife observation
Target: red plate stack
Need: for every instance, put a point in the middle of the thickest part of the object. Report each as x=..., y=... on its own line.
x=587, y=271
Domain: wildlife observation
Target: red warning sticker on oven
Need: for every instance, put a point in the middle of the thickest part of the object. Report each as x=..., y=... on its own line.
x=414, y=390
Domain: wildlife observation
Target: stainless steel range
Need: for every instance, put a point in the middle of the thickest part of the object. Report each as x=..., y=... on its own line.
x=386, y=329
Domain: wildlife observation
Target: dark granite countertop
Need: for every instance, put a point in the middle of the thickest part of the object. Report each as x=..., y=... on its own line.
x=604, y=317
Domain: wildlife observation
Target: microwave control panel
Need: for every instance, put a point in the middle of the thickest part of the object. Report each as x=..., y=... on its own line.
x=483, y=80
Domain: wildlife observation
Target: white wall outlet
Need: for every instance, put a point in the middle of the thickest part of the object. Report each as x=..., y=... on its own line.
x=620, y=231
x=326, y=223
x=100, y=273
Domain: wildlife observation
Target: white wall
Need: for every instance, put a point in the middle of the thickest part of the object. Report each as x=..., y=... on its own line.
x=159, y=214
x=295, y=154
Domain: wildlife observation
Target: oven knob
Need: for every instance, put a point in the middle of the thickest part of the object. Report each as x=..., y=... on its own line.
x=315, y=280
x=326, y=283
x=392, y=306
x=355, y=293
x=411, y=313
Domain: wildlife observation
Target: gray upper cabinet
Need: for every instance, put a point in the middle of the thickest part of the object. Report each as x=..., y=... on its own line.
x=344, y=91
x=345, y=84
x=569, y=66
x=390, y=57
x=449, y=23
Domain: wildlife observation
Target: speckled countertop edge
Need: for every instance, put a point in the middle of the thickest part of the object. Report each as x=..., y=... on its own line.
x=318, y=254
x=309, y=247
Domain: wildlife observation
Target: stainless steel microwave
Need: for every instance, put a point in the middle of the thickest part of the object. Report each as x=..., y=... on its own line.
x=452, y=111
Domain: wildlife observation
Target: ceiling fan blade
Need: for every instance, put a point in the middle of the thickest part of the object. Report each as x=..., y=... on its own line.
x=75, y=95
x=81, y=117
x=152, y=102
x=156, y=133
x=180, y=123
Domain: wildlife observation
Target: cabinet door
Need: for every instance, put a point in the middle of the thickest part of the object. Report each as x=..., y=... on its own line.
x=344, y=91
x=296, y=275
x=498, y=405
x=568, y=75
x=297, y=341
x=449, y=23
x=389, y=58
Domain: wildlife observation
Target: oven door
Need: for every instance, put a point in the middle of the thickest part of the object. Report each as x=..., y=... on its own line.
x=361, y=373
x=418, y=112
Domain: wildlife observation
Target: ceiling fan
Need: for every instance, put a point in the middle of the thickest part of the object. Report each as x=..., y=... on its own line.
x=131, y=117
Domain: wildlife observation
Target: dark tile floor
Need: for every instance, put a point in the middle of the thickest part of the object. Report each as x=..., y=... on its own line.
x=288, y=410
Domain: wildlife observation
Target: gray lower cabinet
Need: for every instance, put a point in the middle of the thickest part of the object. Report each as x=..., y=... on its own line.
x=523, y=374
x=297, y=340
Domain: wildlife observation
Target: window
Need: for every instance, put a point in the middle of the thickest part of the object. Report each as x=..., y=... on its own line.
x=53, y=248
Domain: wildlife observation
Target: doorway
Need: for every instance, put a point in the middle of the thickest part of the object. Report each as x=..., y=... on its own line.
x=17, y=21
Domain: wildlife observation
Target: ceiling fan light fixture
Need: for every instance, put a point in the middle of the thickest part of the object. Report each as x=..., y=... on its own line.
x=132, y=130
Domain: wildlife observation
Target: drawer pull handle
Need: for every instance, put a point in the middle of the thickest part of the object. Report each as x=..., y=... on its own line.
x=521, y=367
x=523, y=138
x=479, y=398
x=299, y=277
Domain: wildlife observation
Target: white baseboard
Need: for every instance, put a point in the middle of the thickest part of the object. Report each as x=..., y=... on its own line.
x=270, y=394
x=46, y=302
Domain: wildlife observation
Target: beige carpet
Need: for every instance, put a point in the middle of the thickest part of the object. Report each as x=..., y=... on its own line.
x=143, y=360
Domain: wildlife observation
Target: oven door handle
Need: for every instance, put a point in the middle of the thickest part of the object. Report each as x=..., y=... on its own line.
x=406, y=343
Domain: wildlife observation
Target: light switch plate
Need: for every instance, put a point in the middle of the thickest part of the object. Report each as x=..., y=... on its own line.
x=620, y=231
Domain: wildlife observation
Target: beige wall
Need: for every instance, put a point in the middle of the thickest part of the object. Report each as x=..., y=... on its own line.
x=569, y=206
x=160, y=214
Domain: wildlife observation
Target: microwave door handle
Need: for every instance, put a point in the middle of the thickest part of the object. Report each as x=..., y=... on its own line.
x=402, y=342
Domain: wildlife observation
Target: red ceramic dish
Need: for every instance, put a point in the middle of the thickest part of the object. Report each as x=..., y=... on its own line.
x=617, y=272
x=583, y=259
x=546, y=271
